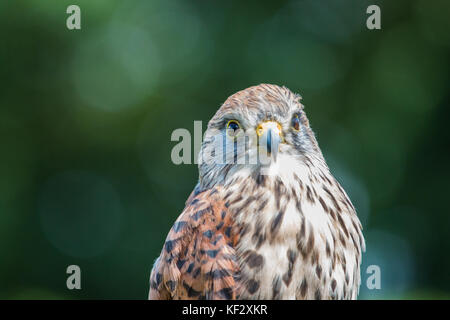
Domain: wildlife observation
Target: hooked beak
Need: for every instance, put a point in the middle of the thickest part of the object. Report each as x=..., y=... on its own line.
x=269, y=137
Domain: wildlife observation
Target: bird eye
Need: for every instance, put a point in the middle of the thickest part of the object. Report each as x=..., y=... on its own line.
x=232, y=127
x=296, y=122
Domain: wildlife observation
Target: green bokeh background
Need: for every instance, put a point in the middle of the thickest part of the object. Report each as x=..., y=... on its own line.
x=86, y=118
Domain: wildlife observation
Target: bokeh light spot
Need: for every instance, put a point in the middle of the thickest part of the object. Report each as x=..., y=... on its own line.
x=79, y=213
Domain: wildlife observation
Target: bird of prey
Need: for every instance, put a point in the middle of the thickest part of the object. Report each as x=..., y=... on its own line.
x=282, y=228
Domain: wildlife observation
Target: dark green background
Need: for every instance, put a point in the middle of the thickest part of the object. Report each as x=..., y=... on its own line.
x=86, y=118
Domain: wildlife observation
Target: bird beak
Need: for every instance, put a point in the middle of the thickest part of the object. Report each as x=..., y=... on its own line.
x=269, y=137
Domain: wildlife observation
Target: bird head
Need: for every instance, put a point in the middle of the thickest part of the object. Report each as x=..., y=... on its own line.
x=254, y=132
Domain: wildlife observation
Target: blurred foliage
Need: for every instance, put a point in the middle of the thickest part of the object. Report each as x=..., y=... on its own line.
x=86, y=118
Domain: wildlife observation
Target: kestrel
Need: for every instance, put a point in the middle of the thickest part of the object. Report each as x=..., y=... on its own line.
x=282, y=228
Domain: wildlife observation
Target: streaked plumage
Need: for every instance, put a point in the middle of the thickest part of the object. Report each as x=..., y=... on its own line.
x=285, y=230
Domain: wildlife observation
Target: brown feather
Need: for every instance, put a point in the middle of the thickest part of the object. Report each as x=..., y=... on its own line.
x=198, y=259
